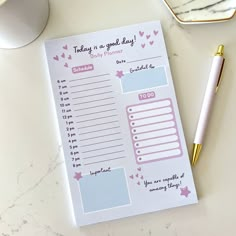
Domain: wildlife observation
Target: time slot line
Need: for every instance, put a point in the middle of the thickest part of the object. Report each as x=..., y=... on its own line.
x=96, y=118
x=96, y=82
x=89, y=77
x=86, y=90
x=96, y=112
x=112, y=159
x=94, y=106
x=100, y=136
x=104, y=154
x=107, y=141
x=92, y=95
x=84, y=127
x=81, y=103
x=100, y=130
x=103, y=148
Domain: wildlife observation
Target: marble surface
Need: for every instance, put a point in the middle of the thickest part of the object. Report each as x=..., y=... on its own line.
x=35, y=197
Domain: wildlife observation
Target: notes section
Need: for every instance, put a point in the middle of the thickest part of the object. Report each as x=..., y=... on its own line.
x=97, y=119
x=153, y=130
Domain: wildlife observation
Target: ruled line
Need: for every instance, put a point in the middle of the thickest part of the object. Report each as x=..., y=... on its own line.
x=96, y=118
x=89, y=77
x=91, y=89
x=74, y=86
x=157, y=115
x=93, y=95
x=140, y=140
x=100, y=130
x=154, y=130
x=102, y=148
x=93, y=101
x=101, y=142
x=93, y=106
x=152, y=123
x=157, y=144
x=144, y=59
x=151, y=109
x=100, y=136
x=105, y=160
x=96, y=112
x=165, y=150
x=98, y=124
x=104, y=154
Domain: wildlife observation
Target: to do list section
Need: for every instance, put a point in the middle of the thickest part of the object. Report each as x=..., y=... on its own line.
x=153, y=131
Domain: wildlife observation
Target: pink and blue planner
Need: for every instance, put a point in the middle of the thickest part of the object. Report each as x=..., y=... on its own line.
x=122, y=137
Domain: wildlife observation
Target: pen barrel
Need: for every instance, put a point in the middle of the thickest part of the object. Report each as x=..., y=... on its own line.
x=208, y=99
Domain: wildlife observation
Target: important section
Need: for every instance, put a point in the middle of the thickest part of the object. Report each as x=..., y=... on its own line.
x=153, y=130
x=105, y=190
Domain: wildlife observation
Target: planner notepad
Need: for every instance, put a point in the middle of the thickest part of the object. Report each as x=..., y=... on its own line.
x=120, y=126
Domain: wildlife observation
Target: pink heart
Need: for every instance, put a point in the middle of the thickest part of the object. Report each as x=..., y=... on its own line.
x=56, y=58
x=131, y=176
x=141, y=177
x=151, y=42
x=66, y=65
x=143, y=45
x=136, y=175
x=65, y=47
x=141, y=33
x=148, y=36
x=139, y=169
x=69, y=57
x=138, y=183
x=63, y=55
x=155, y=32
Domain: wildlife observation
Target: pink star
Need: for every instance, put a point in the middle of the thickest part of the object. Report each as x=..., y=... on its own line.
x=78, y=175
x=119, y=73
x=184, y=191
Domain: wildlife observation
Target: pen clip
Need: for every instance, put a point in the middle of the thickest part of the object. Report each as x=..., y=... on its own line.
x=220, y=77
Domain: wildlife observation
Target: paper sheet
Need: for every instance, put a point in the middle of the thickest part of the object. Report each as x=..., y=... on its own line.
x=122, y=136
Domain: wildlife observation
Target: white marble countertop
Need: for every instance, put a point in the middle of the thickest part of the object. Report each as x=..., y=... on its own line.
x=34, y=196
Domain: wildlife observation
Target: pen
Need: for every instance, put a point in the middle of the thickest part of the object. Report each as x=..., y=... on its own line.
x=211, y=89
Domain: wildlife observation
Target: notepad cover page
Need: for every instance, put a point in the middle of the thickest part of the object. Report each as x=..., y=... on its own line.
x=123, y=141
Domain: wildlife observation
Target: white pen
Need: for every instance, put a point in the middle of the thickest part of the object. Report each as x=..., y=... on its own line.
x=212, y=87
